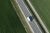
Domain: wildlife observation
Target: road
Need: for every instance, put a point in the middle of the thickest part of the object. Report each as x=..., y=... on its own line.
x=33, y=24
x=37, y=13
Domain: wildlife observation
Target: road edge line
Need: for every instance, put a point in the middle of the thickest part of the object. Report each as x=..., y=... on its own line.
x=38, y=16
x=24, y=16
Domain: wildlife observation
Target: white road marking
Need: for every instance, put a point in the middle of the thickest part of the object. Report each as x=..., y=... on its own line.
x=38, y=16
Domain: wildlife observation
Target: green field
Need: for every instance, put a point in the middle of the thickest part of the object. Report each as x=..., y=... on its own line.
x=43, y=9
x=9, y=21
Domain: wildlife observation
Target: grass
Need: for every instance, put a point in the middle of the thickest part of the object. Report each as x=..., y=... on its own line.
x=9, y=21
x=43, y=9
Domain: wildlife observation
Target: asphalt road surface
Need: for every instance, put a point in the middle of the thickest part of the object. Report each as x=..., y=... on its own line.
x=27, y=13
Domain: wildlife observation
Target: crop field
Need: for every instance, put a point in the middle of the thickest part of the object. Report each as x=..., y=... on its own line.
x=43, y=9
x=9, y=21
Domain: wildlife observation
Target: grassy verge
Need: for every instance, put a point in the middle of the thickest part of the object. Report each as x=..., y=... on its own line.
x=9, y=21
x=43, y=9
